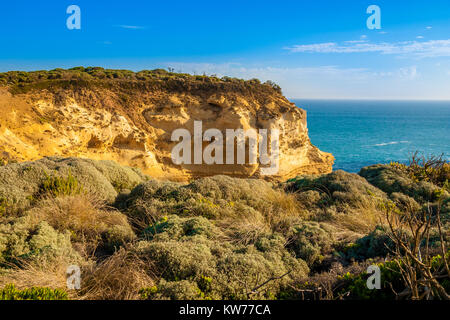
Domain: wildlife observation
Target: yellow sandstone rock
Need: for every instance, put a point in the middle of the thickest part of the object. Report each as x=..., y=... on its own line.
x=132, y=125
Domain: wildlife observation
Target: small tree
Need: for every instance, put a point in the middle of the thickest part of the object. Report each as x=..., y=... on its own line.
x=272, y=84
x=422, y=272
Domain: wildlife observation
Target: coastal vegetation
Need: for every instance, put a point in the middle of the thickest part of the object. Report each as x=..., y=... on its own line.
x=78, y=77
x=311, y=237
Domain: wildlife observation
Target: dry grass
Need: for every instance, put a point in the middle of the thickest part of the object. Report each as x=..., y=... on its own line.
x=119, y=277
x=283, y=212
x=246, y=229
x=361, y=221
x=280, y=212
x=87, y=217
x=38, y=273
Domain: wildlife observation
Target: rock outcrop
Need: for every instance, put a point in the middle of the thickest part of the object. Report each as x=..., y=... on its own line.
x=130, y=119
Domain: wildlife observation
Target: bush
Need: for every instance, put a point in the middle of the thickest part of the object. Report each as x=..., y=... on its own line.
x=121, y=177
x=22, y=183
x=241, y=273
x=88, y=219
x=79, y=77
x=198, y=252
x=375, y=244
x=273, y=85
x=174, y=290
x=392, y=283
x=22, y=239
x=3, y=205
x=118, y=277
x=228, y=200
x=344, y=199
x=57, y=186
x=338, y=188
x=214, y=238
x=152, y=200
x=311, y=241
x=355, y=285
x=176, y=228
x=11, y=293
x=186, y=259
x=434, y=169
x=391, y=179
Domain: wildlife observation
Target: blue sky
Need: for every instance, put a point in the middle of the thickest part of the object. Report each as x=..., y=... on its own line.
x=313, y=49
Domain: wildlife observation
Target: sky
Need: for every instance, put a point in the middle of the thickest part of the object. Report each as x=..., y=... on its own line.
x=313, y=49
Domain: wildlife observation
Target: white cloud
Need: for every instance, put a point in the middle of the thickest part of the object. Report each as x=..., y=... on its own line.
x=420, y=49
x=318, y=82
x=238, y=70
x=419, y=37
x=429, y=27
x=408, y=73
x=355, y=41
x=131, y=27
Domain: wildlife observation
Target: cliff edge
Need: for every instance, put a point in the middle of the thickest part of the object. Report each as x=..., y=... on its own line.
x=129, y=118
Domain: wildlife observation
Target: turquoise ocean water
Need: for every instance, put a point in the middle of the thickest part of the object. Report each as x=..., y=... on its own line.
x=360, y=133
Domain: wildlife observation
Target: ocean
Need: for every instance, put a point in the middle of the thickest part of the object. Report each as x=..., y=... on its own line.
x=361, y=133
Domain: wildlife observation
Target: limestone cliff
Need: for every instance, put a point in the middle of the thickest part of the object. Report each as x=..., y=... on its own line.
x=129, y=117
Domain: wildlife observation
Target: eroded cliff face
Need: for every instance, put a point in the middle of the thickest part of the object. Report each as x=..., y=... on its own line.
x=132, y=123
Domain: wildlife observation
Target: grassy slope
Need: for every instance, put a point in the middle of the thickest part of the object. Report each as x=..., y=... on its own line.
x=216, y=237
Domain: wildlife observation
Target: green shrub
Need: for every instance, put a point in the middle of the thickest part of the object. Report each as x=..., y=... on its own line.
x=434, y=169
x=375, y=244
x=57, y=186
x=21, y=183
x=186, y=259
x=391, y=179
x=221, y=270
x=310, y=241
x=89, y=221
x=174, y=290
x=10, y=292
x=152, y=200
x=272, y=84
x=194, y=229
x=22, y=239
x=3, y=205
x=204, y=284
x=121, y=177
x=22, y=82
x=241, y=272
x=177, y=228
x=391, y=279
x=355, y=285
x=338, y=188
x=217, y=198
x=214, y=238
x=148, y=293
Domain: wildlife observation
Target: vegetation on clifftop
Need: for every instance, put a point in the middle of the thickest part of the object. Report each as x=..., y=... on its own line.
x=21, y=81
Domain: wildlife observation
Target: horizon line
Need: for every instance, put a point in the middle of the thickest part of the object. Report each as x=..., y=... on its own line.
x=370, y=99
